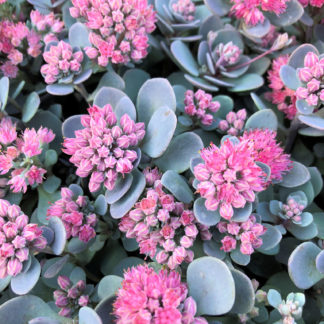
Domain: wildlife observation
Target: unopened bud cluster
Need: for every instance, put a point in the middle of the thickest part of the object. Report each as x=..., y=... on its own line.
x=234, y=122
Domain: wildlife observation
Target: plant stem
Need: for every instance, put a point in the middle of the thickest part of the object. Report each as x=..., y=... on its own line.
x=15, y=104
x=83, y=92
x=292, y=133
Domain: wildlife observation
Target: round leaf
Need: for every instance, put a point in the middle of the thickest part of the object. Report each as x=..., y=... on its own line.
x=297, y=176
x=265, y=118
x=59, y=89
x=88, y=315
x=121, y=187
x=320, y=262
x=57, y=226
x=30, y=107
x=288, y=76
x=79, y=35
x=204, y=216
x=108, y=286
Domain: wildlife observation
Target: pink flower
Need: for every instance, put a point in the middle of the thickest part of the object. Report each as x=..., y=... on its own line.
x=151, y=175
x=147, y=297
x=118, y=30
x=234, y=123
x=199, y=105
x=158, y=222
x=283, y=97
x=102, y=148
x=70, y=298
x=185, y=8
x=17, y=239
x=267, y=150
x=75, y=214
x=252, y=11
x=228, y=244
x=232, y=171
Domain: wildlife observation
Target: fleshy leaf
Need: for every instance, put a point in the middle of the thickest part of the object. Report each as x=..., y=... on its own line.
x=204, y=216
x=265, y=118
x=30, y=107
x=297, y=176
x=288, y=76
x=108, y=286
x=121, y=187
x=88, y=315
x=79, y=35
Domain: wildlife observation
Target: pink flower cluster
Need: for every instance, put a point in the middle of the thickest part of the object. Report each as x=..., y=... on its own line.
x=314, y=3
x=252, y=10
x=163, y=228
x=228, y=54
x=118, y=28
x=312, y=75
x=147, y=297
x=265, y=149
x=246, y=233
x=234, y=122
x=70, y=298
x=229, y=177
x=20, y=155
x=17, y=239
x=185, y=8
x=77, y=215
x=199, y=105
x=61, y=61
x=281, y=96
x=45, y=28
x=11, y=37
x=293, y=210
x=102, y=148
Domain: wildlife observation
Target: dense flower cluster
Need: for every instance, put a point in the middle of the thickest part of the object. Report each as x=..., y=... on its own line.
x=265, y=149
x=77, y=215
x=147, y=297
x=70, y=298
x=200, y=106
x=62, y=61
x=11, y=37
x=252, y=11
x=185, y=8
x=17, y=239
x=234, y=122
x=163, y=228
x=312, y=77
x=118, y=29
x=229, y=177
x=228, y=54
x=151, y=175
x=20, y=155
x=313, y=3
x=280, y=95
x=45, y=28
x=102, y=148
x=293, y=210
x=247, y=234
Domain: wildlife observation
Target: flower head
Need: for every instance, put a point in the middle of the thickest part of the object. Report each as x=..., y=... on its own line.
x=118, y=29
x=245, y=234
x=76, y=213
x=103, y=148
x=229, y=53
x=184, y=8
x=163, y=228
x=234, y=122
x=311, y=75
x=17, y=239
x=70, y=298
x=62, y=61
x=267, y=150
x=149, y=297
x=252, y=10
x=280, y=95
x=200, y=106
x=228, y=177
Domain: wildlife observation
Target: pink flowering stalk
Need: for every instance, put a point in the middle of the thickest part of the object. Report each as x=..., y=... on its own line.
x=11, y=38
x=118, y=29
x=70, y=298
x=147, y=297
x=234, y=123
x=45, y=29
x=280, y=95
x=77, y=215
x=163, y=227
x=17, y=239
x=102, y=148
x=185, y=8
x=229, y=177
x=312, y=76
x=19, y=156
x=199, y=105
x=245, y=235
x=62, y=62
x=252, y=11
x=265, y=149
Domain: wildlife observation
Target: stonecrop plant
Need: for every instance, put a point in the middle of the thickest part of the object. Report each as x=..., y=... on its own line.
x=161, y=162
